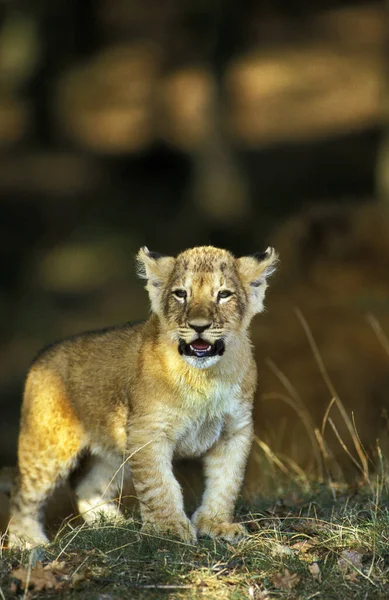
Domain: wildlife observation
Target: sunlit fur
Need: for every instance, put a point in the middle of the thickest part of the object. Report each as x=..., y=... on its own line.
x=127, y=394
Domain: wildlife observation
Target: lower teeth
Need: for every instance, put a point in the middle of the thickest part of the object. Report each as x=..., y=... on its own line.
x=201, y=349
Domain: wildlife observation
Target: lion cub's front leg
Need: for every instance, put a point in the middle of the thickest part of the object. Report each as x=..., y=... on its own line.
x=158, y=491
x=224, y=469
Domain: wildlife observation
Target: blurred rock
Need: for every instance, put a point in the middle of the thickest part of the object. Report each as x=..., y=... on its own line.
x=329, y=81
x=302, y=93
x=326, y=84
x=107, y=104
x=188, y=102
x=81, y=267
x=14, y=121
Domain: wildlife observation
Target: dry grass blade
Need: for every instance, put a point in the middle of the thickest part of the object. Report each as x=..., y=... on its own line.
x=376, y=326
x=77, y=532
x=296, y=402
x=316, y=352
x=272, y=457
x=301, y=411
x=325, y=418
x=300, y=473
x=329, y=462
x=331, y=388
x=28, y=575
x=124, y=462
x=341, y=442
x=359, y=439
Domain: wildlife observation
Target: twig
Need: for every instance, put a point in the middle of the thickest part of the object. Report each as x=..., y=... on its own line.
x=166, y=586
x=147, y=586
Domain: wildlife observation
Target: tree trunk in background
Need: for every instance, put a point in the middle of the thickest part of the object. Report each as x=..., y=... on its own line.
x=220, y=188
x=382, y=170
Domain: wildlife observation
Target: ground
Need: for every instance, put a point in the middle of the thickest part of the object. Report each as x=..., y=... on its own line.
x=312, y=541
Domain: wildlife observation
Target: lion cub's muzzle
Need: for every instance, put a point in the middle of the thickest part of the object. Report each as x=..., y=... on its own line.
x=201, y=348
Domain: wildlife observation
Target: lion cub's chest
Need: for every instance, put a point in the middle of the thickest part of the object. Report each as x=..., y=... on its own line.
x=207, y=419
x=198, y=438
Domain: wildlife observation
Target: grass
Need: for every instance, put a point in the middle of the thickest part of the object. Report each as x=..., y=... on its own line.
x=308, y=539
x=305, y=544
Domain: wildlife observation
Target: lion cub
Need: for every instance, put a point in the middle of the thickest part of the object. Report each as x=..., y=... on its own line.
x=179, y=385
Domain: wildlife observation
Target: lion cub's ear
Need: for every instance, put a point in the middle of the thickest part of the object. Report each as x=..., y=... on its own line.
x=254, y=271
x=157, y=269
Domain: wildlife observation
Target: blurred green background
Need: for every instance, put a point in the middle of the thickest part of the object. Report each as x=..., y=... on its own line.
x=184, y=122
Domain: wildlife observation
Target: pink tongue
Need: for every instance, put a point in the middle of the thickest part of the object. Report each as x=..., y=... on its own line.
x=200, y=344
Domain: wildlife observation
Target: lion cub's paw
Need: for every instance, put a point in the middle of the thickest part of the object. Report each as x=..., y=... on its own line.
x=183, y=529
x=26, y=542
x=214, y=528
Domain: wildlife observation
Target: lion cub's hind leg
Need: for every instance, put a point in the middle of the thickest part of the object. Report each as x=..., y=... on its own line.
x=50, y=440
x=101, y=487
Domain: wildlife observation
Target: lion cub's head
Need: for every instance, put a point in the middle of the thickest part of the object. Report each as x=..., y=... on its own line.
x=205, y=296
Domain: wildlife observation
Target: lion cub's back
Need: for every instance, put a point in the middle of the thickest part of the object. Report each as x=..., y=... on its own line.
x=87, y=378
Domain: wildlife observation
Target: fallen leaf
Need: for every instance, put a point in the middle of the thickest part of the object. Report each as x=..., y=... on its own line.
x=314, y=570
x=349, y=559
x=57, y=566
x=38, y=578
x=53, y=576
x=303, y=546
x=13, y=588
x=352, y=576
x=285, y=580
x=309, y=526
x=80, y=576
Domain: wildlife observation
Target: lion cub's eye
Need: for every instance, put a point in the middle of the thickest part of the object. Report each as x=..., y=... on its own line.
x=180, y=294
x=224, y=294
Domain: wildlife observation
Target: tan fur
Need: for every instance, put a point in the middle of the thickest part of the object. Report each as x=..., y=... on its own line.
x=128, y=395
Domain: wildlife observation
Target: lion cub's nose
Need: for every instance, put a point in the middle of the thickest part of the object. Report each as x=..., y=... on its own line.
x=199, y=325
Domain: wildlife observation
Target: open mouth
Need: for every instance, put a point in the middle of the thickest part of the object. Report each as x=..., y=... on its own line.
x=201, y=348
